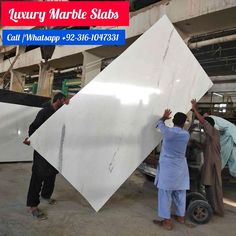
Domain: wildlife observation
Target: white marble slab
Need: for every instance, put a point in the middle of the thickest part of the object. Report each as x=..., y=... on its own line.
x=14, y=124
x=108, y=129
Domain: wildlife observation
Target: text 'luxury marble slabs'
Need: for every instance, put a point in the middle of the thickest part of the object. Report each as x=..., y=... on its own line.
x=108, y=129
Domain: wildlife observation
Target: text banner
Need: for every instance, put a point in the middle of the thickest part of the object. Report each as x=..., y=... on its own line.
x=95, y=13
x=63, y=37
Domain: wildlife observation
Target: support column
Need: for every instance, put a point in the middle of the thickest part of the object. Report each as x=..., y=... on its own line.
x=45, y=81
x=17, y=81
x=91, y=67
x=1, y=57
x=19, y=50
x=1, y=83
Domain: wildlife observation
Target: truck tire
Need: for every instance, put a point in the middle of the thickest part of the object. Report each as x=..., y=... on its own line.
x=199, y=212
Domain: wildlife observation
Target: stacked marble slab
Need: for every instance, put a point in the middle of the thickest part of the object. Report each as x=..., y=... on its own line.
x=17, y=111
x=109, y=127
x=15, y=121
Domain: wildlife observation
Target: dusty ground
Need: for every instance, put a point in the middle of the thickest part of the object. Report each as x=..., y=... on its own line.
x=129, y=212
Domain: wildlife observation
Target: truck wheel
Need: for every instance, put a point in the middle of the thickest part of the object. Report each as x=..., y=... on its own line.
x=193, y=196
x=199, y=212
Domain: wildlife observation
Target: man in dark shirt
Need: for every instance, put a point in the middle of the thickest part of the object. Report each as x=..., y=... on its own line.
x=43, y=174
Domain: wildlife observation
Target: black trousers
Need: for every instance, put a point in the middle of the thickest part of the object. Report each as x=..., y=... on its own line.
x=40, y=183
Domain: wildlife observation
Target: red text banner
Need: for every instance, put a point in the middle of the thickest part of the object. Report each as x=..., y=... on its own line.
x=94, y=13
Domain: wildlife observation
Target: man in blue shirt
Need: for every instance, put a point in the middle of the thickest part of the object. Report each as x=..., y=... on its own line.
x=172, y=179
x=227, y=132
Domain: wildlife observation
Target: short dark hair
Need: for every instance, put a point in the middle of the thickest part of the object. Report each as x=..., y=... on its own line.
x=179, y=119
x=210, y=120
x=58, y=96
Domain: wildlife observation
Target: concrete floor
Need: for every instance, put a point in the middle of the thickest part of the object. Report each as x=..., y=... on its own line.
x=129, y=212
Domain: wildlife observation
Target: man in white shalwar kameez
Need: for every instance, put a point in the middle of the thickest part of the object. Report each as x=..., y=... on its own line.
x=172, y=179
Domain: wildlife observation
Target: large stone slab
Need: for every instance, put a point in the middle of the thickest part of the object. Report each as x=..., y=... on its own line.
x=15, y=120
x=108, y=129
x=17, y=111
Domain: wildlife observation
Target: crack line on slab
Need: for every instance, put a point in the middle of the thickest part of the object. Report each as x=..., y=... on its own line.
x=60, y=156
x=111, y=165
x=168, y=44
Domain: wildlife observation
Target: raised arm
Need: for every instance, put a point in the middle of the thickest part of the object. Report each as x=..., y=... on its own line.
x=160, y=122
x=166, y=115
x=198, y=115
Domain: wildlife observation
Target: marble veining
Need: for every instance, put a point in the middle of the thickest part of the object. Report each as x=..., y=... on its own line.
x=168, y=44
x=112, y=163
x=60, y=157
x=110, y=125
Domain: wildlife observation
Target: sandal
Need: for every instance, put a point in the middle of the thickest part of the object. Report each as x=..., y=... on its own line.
x=179, y=219
x=37, y=214
x=50, y=201
x=183, y=221
x=166, y=224
x=189, y=224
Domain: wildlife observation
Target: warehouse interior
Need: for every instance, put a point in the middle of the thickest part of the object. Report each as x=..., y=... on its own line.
x=208, y=28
